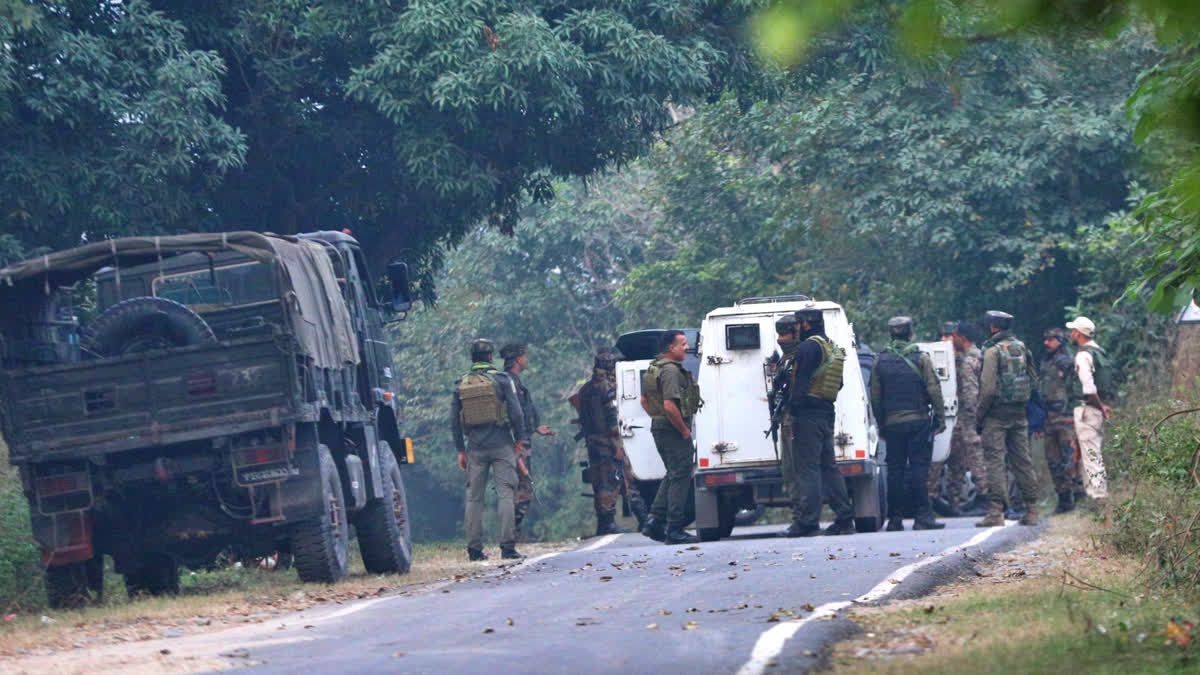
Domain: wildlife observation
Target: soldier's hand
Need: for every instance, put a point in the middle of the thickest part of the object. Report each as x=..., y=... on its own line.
x=462, y=461
x=686, y=433
x=1039, y=434
x=545, y=430
x=1106, y=411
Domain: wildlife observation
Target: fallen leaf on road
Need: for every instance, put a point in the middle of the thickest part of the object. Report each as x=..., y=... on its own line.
x=893, y=581
x=894, y=555
x=808, y=607
x=733, y=576
x=930, y=609
x=605, y=578
x=693, y=548
x=164, y=652
x=236, y=654
x=664, y=612
x=691, y=625
x=652, y=626
x=489, y=630
x=509, y=621
x=811, y=575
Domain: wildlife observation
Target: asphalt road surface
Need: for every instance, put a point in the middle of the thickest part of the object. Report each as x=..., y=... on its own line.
x=752, y=603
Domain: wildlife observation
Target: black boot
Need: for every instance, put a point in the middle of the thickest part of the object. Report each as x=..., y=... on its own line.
x=798, y=530
x=639, y=512
x=655, y=529
x=895, y=524
x=1066, y=502
x=475, y=554
x=925, y=521
x=606, y=524
x=677, y=535
x=845, y=526
x=510, y=552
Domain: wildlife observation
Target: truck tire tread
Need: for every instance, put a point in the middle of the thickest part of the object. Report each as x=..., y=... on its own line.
x=315, y=542
x=384, y=529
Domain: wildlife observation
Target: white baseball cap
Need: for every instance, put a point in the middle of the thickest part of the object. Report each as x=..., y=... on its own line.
x=1083, y=325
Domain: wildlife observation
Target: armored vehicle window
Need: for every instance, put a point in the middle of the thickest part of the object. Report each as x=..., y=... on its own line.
x=742, y=336
x=230, y=286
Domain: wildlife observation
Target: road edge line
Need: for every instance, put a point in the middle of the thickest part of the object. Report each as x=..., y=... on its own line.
x=592, y=546
x=771, y=642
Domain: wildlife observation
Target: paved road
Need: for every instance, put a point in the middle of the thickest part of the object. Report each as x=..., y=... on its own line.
x=628, y=605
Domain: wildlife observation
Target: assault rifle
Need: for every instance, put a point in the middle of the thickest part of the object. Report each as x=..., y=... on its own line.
x=779, y=397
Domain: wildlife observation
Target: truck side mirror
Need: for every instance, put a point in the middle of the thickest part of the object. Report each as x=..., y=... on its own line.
x=397, y=273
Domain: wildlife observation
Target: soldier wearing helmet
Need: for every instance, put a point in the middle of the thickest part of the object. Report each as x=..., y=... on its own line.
x=608, y=465
x=1006, y=384
x=489, y=430
x=1055, y=385
x=906, y=398
x=814, y=376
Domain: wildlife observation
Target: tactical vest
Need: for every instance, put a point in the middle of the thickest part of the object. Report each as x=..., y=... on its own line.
x=481, y=403
x=689, y=399
x=1102, y=376
x=1013, y=382
x=901, y=380
x=827, y=378
x=1057, y=381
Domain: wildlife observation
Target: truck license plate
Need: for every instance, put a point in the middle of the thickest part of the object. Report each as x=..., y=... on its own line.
x=263, y=474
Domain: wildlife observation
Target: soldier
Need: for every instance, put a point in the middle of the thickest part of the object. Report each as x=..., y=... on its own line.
x=966, y=449
x=935, y=468
x=1006, y=383
x=484, y=408
x=1055, y=385
x=907, y=398
x=814, y=378
x=1094, y=379
x=515, y=362
x=608, y=466
x=785, y=330
x=671, y=397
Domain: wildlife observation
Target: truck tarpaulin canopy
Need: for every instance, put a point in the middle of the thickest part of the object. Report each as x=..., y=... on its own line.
x=319, y=317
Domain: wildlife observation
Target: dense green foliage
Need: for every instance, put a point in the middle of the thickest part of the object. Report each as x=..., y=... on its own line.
x=407, y=122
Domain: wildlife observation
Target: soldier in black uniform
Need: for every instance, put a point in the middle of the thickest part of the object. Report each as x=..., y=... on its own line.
x=907, y=399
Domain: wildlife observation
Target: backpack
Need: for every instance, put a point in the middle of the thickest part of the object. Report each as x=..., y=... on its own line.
x=1015, y=385
x=689, y=400
x=480, y=402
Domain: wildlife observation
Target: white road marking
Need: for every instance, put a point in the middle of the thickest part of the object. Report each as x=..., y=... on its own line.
x=602, y=541
x=771, y=642
x=592, y=546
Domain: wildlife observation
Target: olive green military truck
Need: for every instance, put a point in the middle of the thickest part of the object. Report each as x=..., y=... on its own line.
x=168, y=399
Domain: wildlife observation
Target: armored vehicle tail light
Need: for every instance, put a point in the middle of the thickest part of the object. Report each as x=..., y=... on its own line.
x=852, y=468
x=62, y=484
x=723, y=479
x=258, y=455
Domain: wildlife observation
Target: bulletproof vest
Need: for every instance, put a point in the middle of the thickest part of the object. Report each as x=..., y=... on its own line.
x=1056, y=382
x=827, y=378
x=1013, y=382
x=593, y=399
x=903, y=386
x=689, y=400
x=481, y=403
x=1103, y=376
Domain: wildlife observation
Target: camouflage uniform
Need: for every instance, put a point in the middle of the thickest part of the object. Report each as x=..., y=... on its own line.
x=966, y=448
x=1058, y=370
x=608, y=466
x=524, y=493
x=1005, y=432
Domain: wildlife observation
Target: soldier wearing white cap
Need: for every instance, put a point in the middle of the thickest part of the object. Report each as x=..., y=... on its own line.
x=1094, y=387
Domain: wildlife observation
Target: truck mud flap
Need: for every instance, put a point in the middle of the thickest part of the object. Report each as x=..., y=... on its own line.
x=300, y=496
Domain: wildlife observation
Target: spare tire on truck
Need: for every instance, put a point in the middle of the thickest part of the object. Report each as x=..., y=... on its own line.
x=145, y=323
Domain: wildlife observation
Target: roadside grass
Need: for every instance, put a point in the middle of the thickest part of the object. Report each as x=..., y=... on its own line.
x=1064, y=604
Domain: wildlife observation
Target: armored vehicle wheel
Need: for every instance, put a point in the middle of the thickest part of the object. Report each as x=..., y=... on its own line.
x=141, y=324
x=874, y=523
x=384, y=529
x=156, y=574
x=320, y=547
x=75, y=585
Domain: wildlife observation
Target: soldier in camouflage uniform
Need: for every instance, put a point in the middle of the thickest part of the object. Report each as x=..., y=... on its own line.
x=608, y=465
x=966, y=448
x=1006, y=383
x=785, y=329
x=1057, y=377
x=515, y=362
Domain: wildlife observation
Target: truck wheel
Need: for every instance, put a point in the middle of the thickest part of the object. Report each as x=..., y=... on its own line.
x=384, y=529
x=68, y=586
x=156, y=574
x=320, y=547
x=747, y=517
x=140, y=324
